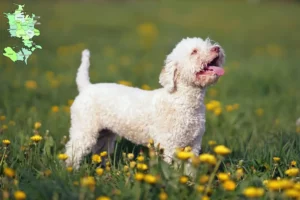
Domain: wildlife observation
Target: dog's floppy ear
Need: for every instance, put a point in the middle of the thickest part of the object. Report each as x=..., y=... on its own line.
x=168, y=76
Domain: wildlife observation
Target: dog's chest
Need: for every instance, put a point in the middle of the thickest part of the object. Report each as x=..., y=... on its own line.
x=192, y=124
x=184, y=124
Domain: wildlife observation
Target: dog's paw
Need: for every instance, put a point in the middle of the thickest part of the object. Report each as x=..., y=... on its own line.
x=86, y=53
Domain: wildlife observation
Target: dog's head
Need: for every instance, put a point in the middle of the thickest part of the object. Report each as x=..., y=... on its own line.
x=193, y=62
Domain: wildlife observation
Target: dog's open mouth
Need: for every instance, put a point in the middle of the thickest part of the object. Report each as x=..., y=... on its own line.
x=212, y=68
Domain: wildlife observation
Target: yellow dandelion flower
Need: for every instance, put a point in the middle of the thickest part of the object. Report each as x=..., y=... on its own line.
x=62, y=156
x=54, y=83
x=126, y=83
x=20, y=195
x=33, y=109
x=88, y=181
x=125, y=60
x=99, y=171
x=205, y=198
x=276, y=159
x=36, y=138
x=163, y=196
x=66, y=109
x=107, y=164
x=195, y=160
x=112, y=68
x=70, y=169
x=123, y=154
x=142, y=166
x=139, y=176
x=132, y=164
x=96, y=158
x=76, y=183
x=239, y=173
x=47, y=172
x=31, y=84
x=140, y=158
x=265, y=182
x=203, y=179
x=236, y=106
x=103, y=154
x=253, y=192
x=279, y=184
x=209, y=106
x=259, y=112
x=200, y=188
x=292, y=193
x=229, y=185
x=297, y=186
x=286, y=184
x=9, y=172
x=293, y=163
x=212, y=105
x=54, y=109
x=222, y=150
x=212, y=92
x=12, y=123
x=208, y=158
x=37, y=125
x=125, y=168
x=2, y=118
x=182, y=155
x=103, y=198
x=274, y=50
x=151, y=141
x=223, y=176
x=147, y=30
x=148, y=178
x=70, y=102
x=107, y=168
x=130, y=156
x=6, y=142
x=218, y=111
x=183, y=179
x=16, y=182
x=229, y=108
x=216, y=103
x=212, y=142
x=146, y=87
x=49, y=75
x=187, y=149
x=292, y=171
x=4, y=127
x=152, y=153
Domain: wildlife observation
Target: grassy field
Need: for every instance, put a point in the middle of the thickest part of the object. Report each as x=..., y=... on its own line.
x=252, y=110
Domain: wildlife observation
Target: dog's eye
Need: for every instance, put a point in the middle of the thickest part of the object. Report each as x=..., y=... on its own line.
x=194, y=51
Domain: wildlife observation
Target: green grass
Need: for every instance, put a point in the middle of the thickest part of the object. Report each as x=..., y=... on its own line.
x=261, y=42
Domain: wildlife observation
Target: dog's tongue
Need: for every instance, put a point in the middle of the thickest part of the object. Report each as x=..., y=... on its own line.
x=216, y=70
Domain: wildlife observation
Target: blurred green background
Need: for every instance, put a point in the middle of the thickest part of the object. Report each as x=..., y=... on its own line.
x=256, y=103
x=129, y=41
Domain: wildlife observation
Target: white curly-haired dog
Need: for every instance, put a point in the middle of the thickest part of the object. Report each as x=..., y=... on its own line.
x=173, y=115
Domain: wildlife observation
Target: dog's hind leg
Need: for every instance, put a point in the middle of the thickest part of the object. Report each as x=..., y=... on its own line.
x=105, y=142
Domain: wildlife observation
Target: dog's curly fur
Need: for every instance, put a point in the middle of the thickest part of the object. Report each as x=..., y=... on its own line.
x=173, y=116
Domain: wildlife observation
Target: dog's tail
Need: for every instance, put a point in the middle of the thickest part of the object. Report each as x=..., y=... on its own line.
x=83, y=79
